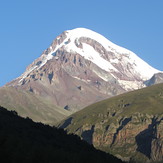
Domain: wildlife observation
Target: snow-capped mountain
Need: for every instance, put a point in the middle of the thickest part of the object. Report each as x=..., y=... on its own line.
x=81, y=67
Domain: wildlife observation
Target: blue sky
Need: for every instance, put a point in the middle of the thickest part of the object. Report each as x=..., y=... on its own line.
x=28, y=27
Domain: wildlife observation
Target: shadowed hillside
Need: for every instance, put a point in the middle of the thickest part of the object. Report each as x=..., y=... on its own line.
x=23, y=141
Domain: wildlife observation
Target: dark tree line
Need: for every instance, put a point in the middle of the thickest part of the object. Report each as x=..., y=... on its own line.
x=23, y=141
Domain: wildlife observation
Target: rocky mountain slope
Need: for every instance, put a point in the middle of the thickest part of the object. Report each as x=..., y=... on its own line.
x=156, y=79
x=82, y=67
x=23, y=141
x=129, y=126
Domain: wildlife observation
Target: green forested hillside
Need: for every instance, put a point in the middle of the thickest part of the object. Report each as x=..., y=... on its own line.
x=129, y=126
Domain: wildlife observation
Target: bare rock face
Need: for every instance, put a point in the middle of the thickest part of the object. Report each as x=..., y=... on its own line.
x=70, y=81
x=82, y=67
x=156, y=79
x=130, y=138
x=157, y=142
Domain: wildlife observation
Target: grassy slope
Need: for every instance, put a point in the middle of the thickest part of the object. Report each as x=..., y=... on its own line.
x=29, y=105
x=146, y=101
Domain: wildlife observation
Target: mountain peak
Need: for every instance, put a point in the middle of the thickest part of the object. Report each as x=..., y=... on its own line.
x=119, y=51
x=97, y=49
x=84, y=32
x=82, y=58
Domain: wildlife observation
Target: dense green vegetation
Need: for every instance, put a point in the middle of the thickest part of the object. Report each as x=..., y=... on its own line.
x=23, y=141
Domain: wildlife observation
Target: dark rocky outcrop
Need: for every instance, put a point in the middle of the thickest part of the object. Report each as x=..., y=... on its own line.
x=156, y=79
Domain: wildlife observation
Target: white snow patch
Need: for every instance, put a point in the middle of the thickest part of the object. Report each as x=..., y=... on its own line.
x=108, y=45
x=90, y=54
x=102, y=75
x=140, y=66
x=26, y=73
x=114, y=60
x=144, y=69
x=86, y=81
x=131, y=85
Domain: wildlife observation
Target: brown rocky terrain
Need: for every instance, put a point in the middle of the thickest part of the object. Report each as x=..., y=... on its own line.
x=68, y=83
